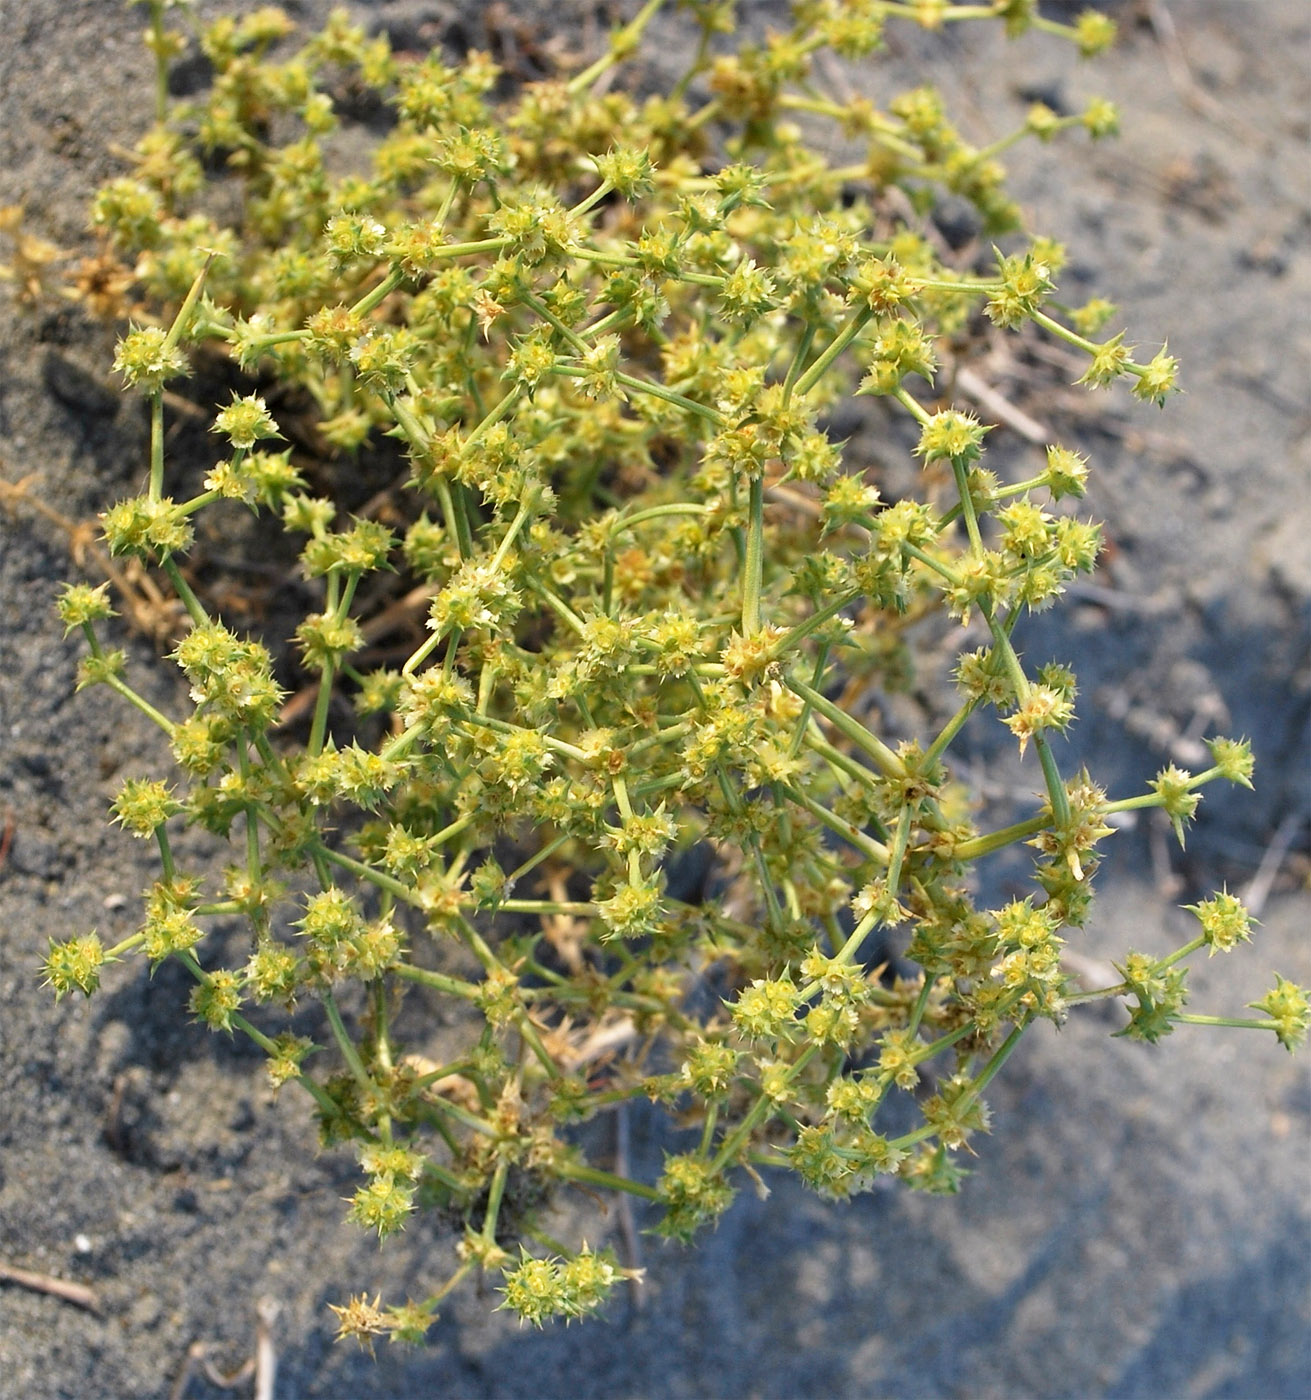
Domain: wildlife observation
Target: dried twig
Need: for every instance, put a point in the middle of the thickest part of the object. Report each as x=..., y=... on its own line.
x=76, y=1293
x=1181, y=75
x=227, y=1380
x=603, y=1042
x=266, y=1355
x=630, y=1240
x=1258, y=891
x=197, y=1360
x=147, y=608
x=1002, y=409
x=263, y=1365
x=399, y=613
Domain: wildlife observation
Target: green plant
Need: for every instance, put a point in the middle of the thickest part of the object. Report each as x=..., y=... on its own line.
x=607, y=336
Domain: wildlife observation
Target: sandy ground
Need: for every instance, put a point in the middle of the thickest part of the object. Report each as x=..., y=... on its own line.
x=1140, y=1223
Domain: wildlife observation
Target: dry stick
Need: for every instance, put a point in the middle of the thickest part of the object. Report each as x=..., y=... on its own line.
x=227, y=1380
x=1181, y=75
x=394, y=616
x=179, y=1387
x=196, y=1357
x=1258, y=891
x=399, y=612
x=1002, y=409
x=76, y=1293
x=632, y=1242
x=151, y=614
x=263, y=1365
x=266, y=1355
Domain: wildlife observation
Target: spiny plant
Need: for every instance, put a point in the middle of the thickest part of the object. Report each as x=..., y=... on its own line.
x=642, y=608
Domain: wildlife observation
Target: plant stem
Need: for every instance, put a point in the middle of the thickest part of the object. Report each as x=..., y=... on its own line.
x=839, y=343
x=594, y=1176
x=752, y=574
x=885, y=760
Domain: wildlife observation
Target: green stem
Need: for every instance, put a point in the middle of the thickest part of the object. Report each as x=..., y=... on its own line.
x=347, y=1046
x=367, y=872
x=183, y=589
x=921, y=1005
x=549, y=316
x=978, y=846
x=806, y=340
x=1189, y=1018
x=494, y=1196
x=1055, y=784
x=517, y=524
x=622, y=43
x=816, y=620
x=1179, y=953
x=758, y=1112
x=157, y=445
x=594, y=1176
x=556, y=746
x=839, y=343
x=885, y=760
x=535, y=860
x=438, y=981
x=159, y=46
x=181, y=320
x=640, y=517
x=412, y=664
x=120, y=687
x=989, y=1071
x=133, y=940
x=547, y=906
x=950, y=730
x=866, y=845
x=319, y=726
x=380, y=293
x=434, y=1300
x=753, y=573
x=961, y=472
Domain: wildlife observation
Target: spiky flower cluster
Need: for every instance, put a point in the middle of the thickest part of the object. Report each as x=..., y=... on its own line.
x=628, y=616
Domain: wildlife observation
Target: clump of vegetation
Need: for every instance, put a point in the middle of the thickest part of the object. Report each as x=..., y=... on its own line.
x=643, y=607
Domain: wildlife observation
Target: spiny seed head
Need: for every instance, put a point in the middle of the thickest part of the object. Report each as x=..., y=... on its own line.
x=1066, y=473
x=951, y=436
x=142, y=806
x=1158, y=379
x=1225, y=921
x=79, y=605
x=629, y=170
x=1286, y=1005
x=75, y=963
x=148, y=360
x=1233, y=757
x=884, y=285
x=245, y=421
x=1094, y=32
x=1110, y=360
x=1101, y=118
